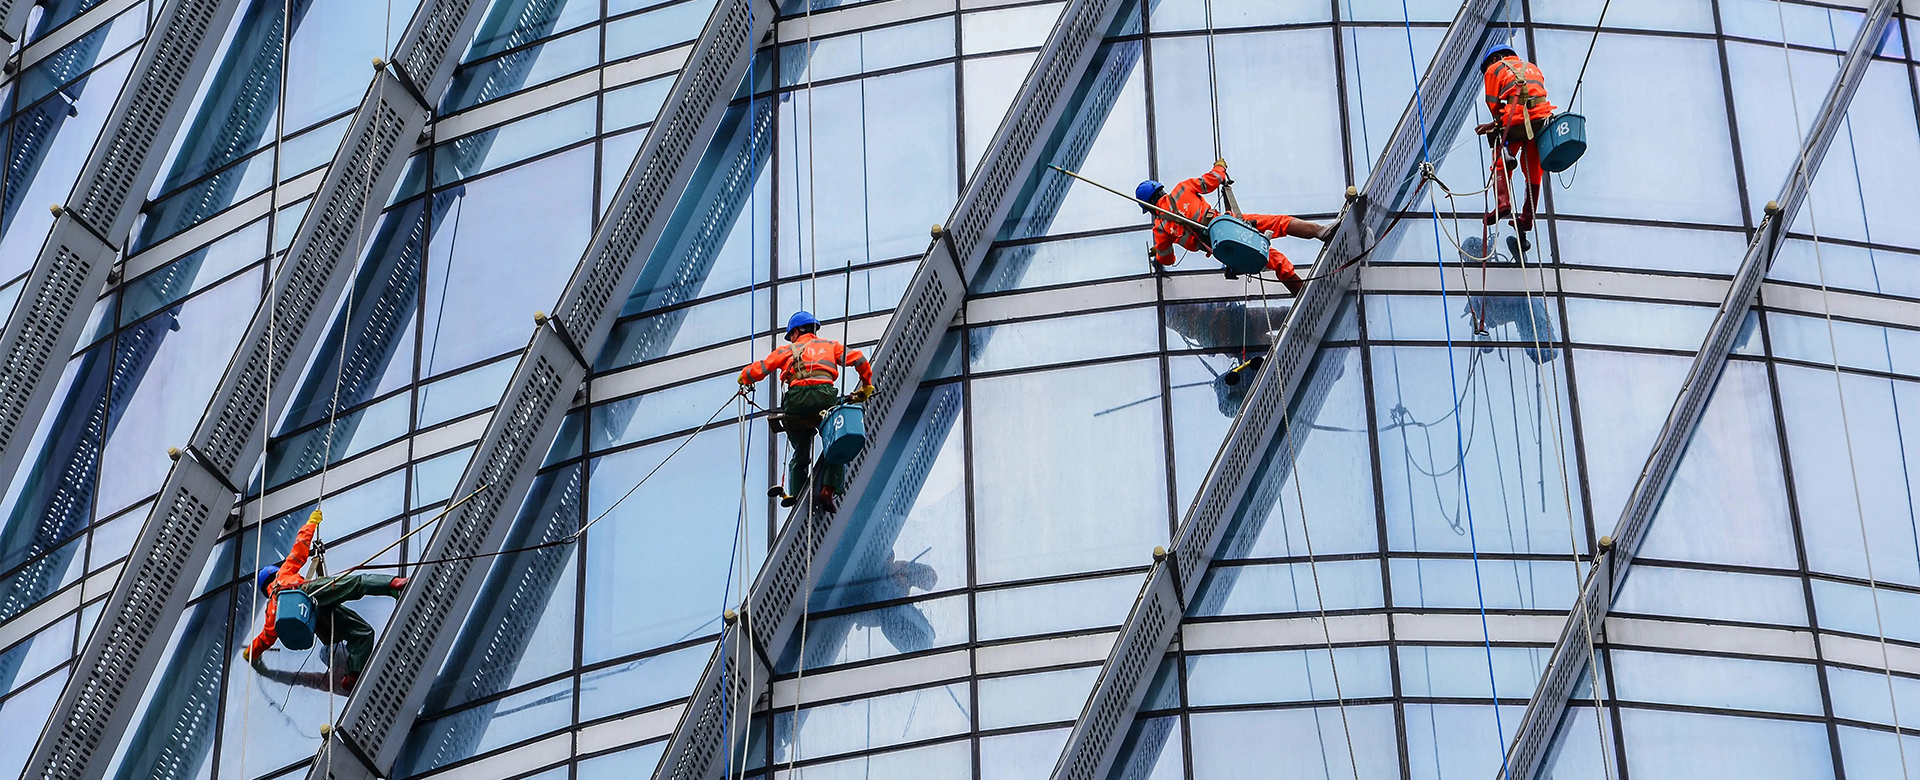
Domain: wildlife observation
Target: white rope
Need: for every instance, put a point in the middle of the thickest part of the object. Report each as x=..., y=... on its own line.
x=1313, y=562
x=1839, y=389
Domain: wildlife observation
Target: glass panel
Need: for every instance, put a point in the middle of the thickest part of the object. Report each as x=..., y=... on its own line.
x=1728, y=502
x=1852, y=480
x=1287, y=588
x=878, y=721
x=1876, y=754
x=642, y=682
x=1027, y=755
x=1463, y=451
x=1288, y=676
x=1498, y=584
x=1872, y=697
x=1150, y=752
x=1314, y=742
x=1447, y=741
x=1734, y=683
x=491, y=725
x=1024, y=700
x=1063, y=339
x=1463, y=672
x=1675, y=745
x=1712, y=595
x=683, y=522
x=1107, y=511
x=1065, y=606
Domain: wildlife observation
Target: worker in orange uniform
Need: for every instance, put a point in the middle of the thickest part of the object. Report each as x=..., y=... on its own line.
x=334, y=623
x=1186, y=200
x=1517, y=96
x=809, y=367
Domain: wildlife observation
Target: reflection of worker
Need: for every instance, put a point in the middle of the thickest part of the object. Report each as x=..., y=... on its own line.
x=1516, y=93
x=809, y=366
x=1185, y=199
x=904, y=625
x=334, y=624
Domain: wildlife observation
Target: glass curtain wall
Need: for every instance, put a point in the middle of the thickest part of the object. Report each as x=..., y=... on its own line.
x=386, y=400
x=816, y=193
x=1435, y=633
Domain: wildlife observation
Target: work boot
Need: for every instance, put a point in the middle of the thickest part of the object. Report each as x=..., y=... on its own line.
x=347, y=681
x=398, y=583
x=825, y=500
x=1294, y=284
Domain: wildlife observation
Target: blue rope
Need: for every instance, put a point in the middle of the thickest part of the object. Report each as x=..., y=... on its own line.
x=1453, y=381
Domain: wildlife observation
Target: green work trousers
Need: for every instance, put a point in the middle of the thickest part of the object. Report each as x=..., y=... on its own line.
x=800, y=412
x=335, y=624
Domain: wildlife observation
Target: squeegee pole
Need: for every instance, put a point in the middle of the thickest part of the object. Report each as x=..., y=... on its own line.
x=1163, y=212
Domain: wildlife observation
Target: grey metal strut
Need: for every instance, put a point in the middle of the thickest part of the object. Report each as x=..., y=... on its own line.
x=367, y=741
x=773, y=605
x=1257, y=445
x=198, y=497
x=92, y=225
x=1571, y=653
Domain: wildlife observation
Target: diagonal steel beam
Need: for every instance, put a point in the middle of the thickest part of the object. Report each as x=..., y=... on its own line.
x=199, y=493
x=1574, y=649
x=772, y=608
x=369, y=737
x=1254, y=444
x=92, y=225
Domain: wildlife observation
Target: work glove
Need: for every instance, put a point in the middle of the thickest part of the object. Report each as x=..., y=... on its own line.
x=746, y=388
x=246, y=653
x=1220, y=163
x=314, y=519
x=861, y=395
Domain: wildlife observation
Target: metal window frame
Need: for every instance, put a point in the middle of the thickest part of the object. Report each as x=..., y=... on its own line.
x=1533, y=741
x=371, y=733
x=772, y=607
x=92, y=225
x=198, y=496
x=1447, y=94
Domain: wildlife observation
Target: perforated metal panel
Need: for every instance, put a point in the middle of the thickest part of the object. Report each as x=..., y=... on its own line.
x=1572, y=652
x=93, y=708
x=74, y=262
x=1255, y=434
x=429, y=616
x=930, y=304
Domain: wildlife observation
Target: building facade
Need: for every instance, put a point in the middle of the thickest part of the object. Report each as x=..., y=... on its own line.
x=1388, y=595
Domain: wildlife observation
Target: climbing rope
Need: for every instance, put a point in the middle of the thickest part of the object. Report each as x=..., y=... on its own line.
x=738, y=554
x=1839, y=388
x=1453, y=380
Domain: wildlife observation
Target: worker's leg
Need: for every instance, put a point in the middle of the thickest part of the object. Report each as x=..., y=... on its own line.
x=345, y=631
x=1274, y=226
x=1502, y=173
x=330, y=591
x=802, y=408
x=1530, y=166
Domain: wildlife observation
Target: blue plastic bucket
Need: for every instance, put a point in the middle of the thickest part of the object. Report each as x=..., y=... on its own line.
x=1237, y=245
x=1562, y=142
x=293, y=615
x=843, y=434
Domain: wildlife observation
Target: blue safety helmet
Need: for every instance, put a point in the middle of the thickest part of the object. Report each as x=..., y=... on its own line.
x=800, y=320
x=1497, y=51
x=1147, y=190
x=266, y=577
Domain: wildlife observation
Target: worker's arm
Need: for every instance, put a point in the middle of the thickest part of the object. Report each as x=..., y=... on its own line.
x=760, y=369
x=1162, y=249
x=302, y=546
x=859, y=363
x=1211, y=180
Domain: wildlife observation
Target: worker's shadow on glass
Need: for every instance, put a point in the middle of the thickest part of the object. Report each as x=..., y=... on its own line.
x=328, y=681
x=1239, y=330
x=1519, y=318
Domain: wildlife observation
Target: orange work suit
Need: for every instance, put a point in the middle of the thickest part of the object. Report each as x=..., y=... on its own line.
x=1186, y=200
x=1516, y=94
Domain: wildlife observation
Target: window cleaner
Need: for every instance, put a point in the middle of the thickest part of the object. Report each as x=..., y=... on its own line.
x=300, y=610
x=809, y=367
x=1516, y=94
x=1227, y=233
